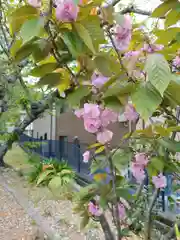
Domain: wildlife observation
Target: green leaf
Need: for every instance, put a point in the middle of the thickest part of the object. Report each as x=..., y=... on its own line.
x=146, y=100
x=100, y=149
x=20, y=15
x=77, y=95
x=44, y=176
x=107, y=65
x=95, y=31
x=161, y=130
x=15, y=47
x=121, y=158
x=55, y=183
x=25, y=51
x=124, y=193
x=42, y=48
x=31, y=28
x=163, y=8
x=98, y=164
x=103, y=203
x=51, y=79
x=152, y=171
x=113, y=103
x=158, y=72
x=42, y=70
x=85, y=220
x=172, y=18
x=74, y=43
x=94, y=145
x=171, y=145
x=172, y=92
x=177, y=231
x=85, y=36
x=107, y=14
x=120, y=88
x=157, y=163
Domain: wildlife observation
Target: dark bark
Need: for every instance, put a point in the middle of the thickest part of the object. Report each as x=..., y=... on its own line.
x=106, y=228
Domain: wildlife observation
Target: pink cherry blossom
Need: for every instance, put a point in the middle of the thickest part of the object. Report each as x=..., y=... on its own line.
x=93, y=209
x=98, y=80
x=66, y=11
x=159, y=181
x=122, y=211
x=141, y=159
x=96, y=119
x=35, y=3
x=122, y=33
x=104, y=136
x=176, y=61
x=79, y=113
x=131, y=54
x=138, y=172
x=130, y=113
x=108, y=116
x=92, y=125
x=86, y=156
x=91, y=110
x=150, y=48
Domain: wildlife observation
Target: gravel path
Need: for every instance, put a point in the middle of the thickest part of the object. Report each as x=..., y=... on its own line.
x=15, y=224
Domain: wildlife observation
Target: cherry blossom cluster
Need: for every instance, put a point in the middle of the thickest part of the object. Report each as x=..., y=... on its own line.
x=130, y=113
x=96, y=120
x=137, y=168
x=176, y=61
x=123, y=33
x=95, y=210
x=66, y=10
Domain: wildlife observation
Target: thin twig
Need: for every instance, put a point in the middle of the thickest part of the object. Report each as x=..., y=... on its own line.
x=117, y=218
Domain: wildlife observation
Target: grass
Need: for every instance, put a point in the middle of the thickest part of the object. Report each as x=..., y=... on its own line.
x=18, y=159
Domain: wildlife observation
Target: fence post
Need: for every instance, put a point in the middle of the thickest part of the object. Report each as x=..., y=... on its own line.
x=77, y=153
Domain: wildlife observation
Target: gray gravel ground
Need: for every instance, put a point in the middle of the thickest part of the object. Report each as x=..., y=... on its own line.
x=15, y=224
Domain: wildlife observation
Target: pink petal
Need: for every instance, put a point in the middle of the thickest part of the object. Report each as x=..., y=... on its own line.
x=66, y=11
x=91, y=110
x=159, y=181
x=35, y=3
x=105, y=136
x=141, y=159
x=86, y=156
x=79, y=113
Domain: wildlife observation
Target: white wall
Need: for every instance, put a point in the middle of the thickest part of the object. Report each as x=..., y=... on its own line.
x=43, y=125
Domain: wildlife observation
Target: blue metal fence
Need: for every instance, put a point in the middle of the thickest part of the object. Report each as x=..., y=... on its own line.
x=70, y=152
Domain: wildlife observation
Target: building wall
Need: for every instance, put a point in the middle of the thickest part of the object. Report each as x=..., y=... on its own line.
x=68, y=125
x=42, y=126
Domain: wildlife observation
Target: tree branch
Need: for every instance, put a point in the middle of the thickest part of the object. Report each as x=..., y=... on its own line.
x=132, y=9
x=106, y=228
x=113, y=175
x=149, y=220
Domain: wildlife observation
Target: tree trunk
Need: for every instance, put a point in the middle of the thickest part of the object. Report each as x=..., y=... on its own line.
x=106, y=228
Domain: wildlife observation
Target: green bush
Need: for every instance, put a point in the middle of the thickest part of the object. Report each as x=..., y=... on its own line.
x=50, y=172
